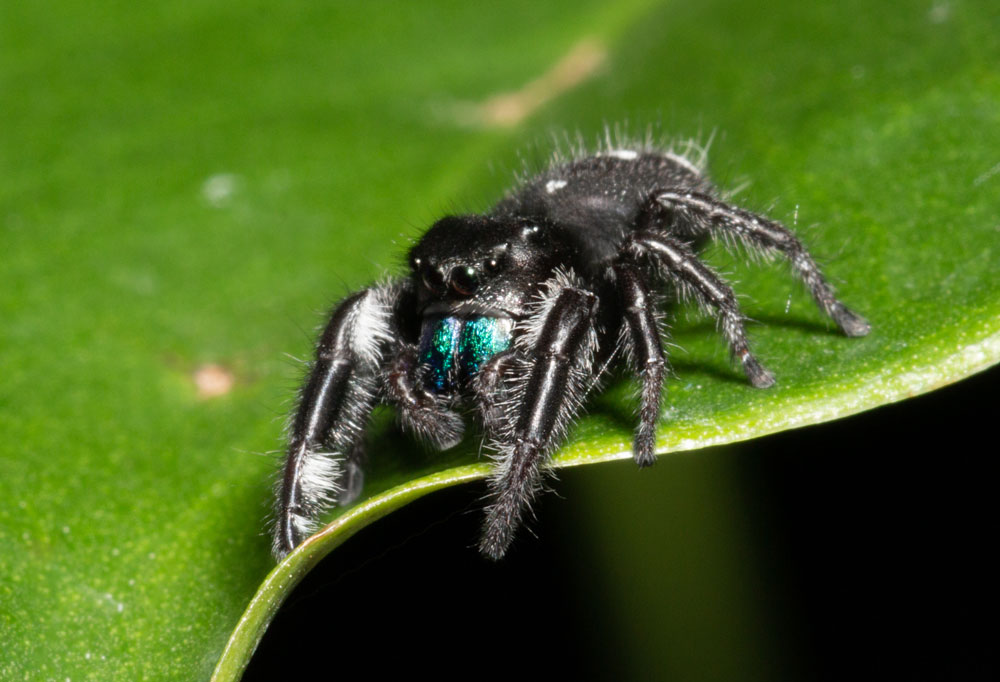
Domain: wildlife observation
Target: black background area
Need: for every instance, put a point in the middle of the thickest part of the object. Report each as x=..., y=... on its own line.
x=879, y=530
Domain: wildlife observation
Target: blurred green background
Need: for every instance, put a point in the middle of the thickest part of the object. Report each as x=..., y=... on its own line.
x=185, y=187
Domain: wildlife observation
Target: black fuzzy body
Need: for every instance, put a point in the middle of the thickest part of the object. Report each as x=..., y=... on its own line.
x=602, y=201
x=518, y=313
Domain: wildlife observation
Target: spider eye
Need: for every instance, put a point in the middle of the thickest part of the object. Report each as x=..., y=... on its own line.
x=464, y=280
x=530, y=231
x=491, y=266
x=434, y=280
x=496, y=261
x=415, y=263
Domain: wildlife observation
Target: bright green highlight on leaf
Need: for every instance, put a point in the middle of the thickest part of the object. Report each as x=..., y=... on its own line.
x=189, y=185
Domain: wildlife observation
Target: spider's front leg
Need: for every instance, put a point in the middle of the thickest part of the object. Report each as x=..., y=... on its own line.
x=325, y=450
x=558, y=350
x=420, y=411
x=490, y=389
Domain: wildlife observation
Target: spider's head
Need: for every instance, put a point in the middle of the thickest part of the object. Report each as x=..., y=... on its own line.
x=480, y=262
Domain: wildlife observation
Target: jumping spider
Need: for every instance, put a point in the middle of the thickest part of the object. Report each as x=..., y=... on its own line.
x=519, y=312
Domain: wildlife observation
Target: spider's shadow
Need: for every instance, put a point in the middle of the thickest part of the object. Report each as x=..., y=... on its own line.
x=387, y=436
x=618, y=400
x=797, y=324
x=707, y=327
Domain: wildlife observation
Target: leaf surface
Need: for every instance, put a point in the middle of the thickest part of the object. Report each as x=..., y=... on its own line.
x=186, y=188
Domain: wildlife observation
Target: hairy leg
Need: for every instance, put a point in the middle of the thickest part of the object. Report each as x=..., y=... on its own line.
x=333, y=410
x=704, y=213
x=420, y=411
x=645, y=350
x=679, y=263
x=558, y=352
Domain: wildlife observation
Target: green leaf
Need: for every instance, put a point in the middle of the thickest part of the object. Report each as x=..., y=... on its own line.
x=183, y=188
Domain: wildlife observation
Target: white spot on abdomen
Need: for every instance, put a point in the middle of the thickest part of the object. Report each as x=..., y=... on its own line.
x=625, y=154
x=553, y=185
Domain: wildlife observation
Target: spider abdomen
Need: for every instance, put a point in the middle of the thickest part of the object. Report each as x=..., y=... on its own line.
x=600, y=199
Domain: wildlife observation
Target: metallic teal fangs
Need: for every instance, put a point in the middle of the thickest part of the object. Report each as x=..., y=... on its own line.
x=453, y=349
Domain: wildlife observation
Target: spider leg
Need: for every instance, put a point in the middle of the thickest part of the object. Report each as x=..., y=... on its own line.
x=490, y=391
x=704, y=213
x=642, y=340
x=333, y=409
x=420, y=411
x=558, y=347
x=352, y=475
x=681, y=265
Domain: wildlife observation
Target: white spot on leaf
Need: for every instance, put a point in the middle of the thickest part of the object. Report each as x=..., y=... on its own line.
x=218, y=189
x=213, y=380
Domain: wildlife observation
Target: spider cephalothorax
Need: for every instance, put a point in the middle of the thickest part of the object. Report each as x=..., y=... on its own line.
x=518, y=313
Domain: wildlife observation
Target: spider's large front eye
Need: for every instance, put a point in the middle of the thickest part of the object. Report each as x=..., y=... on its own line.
x=464, y=280
x=434, y=280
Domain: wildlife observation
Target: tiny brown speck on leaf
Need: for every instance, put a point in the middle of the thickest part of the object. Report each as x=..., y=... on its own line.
x=213, y=380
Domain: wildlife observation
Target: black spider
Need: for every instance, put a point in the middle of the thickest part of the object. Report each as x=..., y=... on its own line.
x=519, y=312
